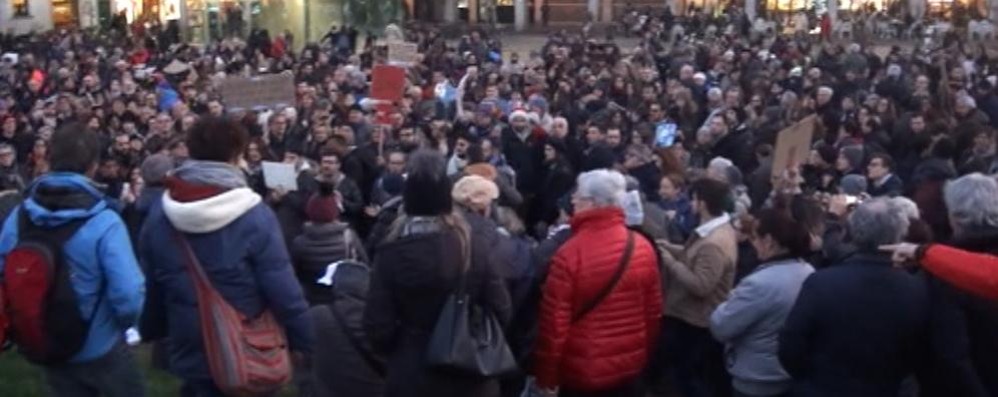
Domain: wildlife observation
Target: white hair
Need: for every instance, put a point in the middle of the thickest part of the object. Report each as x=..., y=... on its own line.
x=972, y=202
x=714, y=92
x=826, y=89
x=907, y=207
x=877, y=222
x=720, y=163
x=604, y=187
x=967, y=100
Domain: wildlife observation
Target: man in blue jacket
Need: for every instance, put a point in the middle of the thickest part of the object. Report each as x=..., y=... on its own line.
x=102, y=261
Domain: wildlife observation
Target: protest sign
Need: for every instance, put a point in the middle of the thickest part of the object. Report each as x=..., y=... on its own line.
x=264, y=91
x=387, y=83
x=793, y=146
x=402, y=53
x=279, y=176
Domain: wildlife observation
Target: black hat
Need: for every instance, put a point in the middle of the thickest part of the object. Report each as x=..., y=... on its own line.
x=427, y=189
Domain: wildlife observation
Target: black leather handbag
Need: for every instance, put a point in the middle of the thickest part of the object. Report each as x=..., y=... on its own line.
x=468, y=338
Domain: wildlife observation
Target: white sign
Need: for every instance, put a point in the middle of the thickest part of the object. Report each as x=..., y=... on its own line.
x=280, y=176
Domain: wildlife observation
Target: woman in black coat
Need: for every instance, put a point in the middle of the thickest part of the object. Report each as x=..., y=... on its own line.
x=416, y=269
x=557, y=180
x=344, y=364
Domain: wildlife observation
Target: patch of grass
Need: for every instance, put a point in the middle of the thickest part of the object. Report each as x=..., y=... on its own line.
x=18, y=378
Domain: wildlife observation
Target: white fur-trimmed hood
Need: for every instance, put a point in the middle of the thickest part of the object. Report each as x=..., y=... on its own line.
x=210, y=214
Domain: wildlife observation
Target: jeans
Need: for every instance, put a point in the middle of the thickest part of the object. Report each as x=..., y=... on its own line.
x=113, y=375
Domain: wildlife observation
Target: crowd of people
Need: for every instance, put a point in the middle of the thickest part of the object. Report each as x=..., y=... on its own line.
x=620, y=258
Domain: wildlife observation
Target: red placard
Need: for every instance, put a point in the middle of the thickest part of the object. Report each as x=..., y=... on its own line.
x=387, y=83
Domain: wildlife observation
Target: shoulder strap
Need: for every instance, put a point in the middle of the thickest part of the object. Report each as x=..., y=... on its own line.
x=625, y=260
x=201, y=280
x=372, y=362
x=56, y=238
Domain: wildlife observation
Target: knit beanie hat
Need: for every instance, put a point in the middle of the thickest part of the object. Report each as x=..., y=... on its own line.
x=853, y=185
x=427, y=189
x=322, y=208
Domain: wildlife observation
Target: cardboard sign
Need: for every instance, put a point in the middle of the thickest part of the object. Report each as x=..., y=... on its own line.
x=387, y=83
x=402, y=53
x=264, y=91
x=793, y=145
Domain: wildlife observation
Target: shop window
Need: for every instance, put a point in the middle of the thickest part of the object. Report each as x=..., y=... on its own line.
x=20, y=8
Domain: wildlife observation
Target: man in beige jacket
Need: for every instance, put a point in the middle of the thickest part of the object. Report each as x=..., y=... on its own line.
x=697, y=278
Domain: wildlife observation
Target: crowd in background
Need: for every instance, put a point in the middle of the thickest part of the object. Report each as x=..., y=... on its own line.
x=530, y=171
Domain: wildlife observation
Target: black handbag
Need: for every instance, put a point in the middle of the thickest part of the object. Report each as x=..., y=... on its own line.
x=468, y=338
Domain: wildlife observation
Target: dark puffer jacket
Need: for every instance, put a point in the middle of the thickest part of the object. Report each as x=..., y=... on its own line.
x=316, y=248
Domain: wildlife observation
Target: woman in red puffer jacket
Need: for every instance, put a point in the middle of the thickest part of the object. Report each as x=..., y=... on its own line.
x=605, y=349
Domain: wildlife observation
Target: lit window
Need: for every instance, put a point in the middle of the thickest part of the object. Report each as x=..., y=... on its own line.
x=20, y=8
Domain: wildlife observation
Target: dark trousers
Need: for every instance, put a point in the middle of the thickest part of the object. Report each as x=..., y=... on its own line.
x=113, y=375
x=630, y=389
x=736, y=393
x=200, y=388
x=693, y=361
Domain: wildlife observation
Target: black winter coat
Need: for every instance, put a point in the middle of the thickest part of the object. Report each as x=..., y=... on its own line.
x=558, y=181
x=413, y=277
x=857, y=329
x=963, y=333
x=316, y=248
x=736, y=146
x=344, y=364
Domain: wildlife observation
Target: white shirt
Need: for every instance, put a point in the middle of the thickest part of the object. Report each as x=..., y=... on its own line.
x=705, y=229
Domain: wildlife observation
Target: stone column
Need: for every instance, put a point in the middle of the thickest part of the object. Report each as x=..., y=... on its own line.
x=592, y=9
x=473, y=11
x=607, y=13
x=248, y=18
x=450, y=11
x=538, y=12
x=520, y=15
x=917, y=9
x=833, y=13
x=750, y=9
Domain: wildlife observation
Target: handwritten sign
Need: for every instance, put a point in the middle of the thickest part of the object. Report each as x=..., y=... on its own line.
x=264, y=91
x=793, y=145
x=402, y=52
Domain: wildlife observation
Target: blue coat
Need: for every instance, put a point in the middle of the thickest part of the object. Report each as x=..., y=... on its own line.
x=100, y=252
x=857, y=329
x=247, y=262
